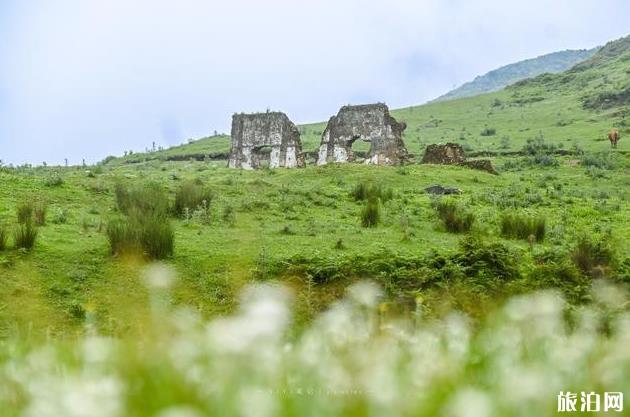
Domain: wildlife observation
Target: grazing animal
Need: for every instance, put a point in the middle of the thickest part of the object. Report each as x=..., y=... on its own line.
x=613, y=136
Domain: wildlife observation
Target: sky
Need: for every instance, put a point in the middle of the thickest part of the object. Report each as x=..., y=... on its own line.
x=83, y=79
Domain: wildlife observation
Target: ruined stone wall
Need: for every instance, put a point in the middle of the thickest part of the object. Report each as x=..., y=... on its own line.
x=453, y=154
x=450, y=153
x=265, y=139
x=371, y=123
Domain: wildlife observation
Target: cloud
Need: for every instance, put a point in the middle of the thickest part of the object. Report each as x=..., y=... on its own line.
x=86, y=79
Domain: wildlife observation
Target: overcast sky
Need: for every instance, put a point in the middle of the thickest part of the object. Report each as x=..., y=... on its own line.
x=89, y=78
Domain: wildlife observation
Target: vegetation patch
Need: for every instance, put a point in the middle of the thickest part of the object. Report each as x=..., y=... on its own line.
x=520, y=226
x=454, y=216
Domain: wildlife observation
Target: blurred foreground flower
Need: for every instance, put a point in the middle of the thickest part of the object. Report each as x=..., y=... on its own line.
x=352, y=360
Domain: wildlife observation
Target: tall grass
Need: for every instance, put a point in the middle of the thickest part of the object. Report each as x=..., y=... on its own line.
x=39, y=213
x=190, y=196
x=518, y=226
x=591, y=253
x=363, y=191
x=371, y=213
x=3, y=237
x=455, y=217
x=146, y=199
x=146, y=227
x=25, y=236
x=152, y=236
x=25, y=211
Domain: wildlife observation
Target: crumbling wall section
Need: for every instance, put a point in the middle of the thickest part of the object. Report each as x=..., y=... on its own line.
x=371, y=123
x=265, y=139
x=448, y=154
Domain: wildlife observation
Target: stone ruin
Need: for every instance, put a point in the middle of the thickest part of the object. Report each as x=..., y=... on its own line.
x=371, y=123
x=265, y=140
x=453, y=154
x=448, y=154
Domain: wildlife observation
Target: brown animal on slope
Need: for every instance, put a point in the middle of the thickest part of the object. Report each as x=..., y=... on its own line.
x=613, y=136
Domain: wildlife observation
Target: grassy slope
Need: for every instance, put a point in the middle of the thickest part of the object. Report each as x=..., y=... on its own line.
x=551, y=105
x=500, y=78
x=71, y=266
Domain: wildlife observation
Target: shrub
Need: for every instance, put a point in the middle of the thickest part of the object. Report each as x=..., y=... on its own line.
x=538, y=146
x=519, y=226
x=591, y=253
x=371, y=213
x=3, y=238
x=486, y=260
x=60, y=216
x=25, y=212
x=54, y=180
x=488, y=131
x=598, y=160
x=25, y=236
x=456, y=219
x=191, y=195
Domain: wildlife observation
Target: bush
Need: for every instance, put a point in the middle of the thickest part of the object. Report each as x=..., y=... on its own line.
x=598, y=160
x=54, y=180
x=455, y=218
x=519, y=226
x=537, y=146
x=25, y=212
x=488, y=131
x=489, y=261
x=191, y=195
x=591, y=253
x=3, y=238
x=371, y=213
x=25, y=236
x=60, y=216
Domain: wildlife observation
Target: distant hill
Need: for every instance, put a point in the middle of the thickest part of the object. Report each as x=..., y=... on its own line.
x=502, y=77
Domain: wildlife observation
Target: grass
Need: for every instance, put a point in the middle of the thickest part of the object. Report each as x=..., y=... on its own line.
x=25, y=236
x=191, y=195
x=371, y=213
x=455, y=217
x=519, y=226
x=299, y=228
x=4, y=236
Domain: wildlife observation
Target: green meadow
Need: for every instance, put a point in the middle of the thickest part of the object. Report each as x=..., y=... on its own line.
x=413, y=292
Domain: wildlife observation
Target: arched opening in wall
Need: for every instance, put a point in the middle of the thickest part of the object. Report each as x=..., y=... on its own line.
x=358, y=147
x=261, y=156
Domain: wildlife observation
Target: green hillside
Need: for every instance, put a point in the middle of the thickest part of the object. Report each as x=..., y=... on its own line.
x=574, y=108
x=165, y=284
x=500, y=78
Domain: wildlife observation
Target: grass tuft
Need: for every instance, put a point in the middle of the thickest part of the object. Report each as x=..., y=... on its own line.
x=25, y=236
x=518, y=226
x=455, y=217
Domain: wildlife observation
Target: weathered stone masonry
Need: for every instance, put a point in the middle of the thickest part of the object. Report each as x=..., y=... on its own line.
x=265, y=138
x=371, y=123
